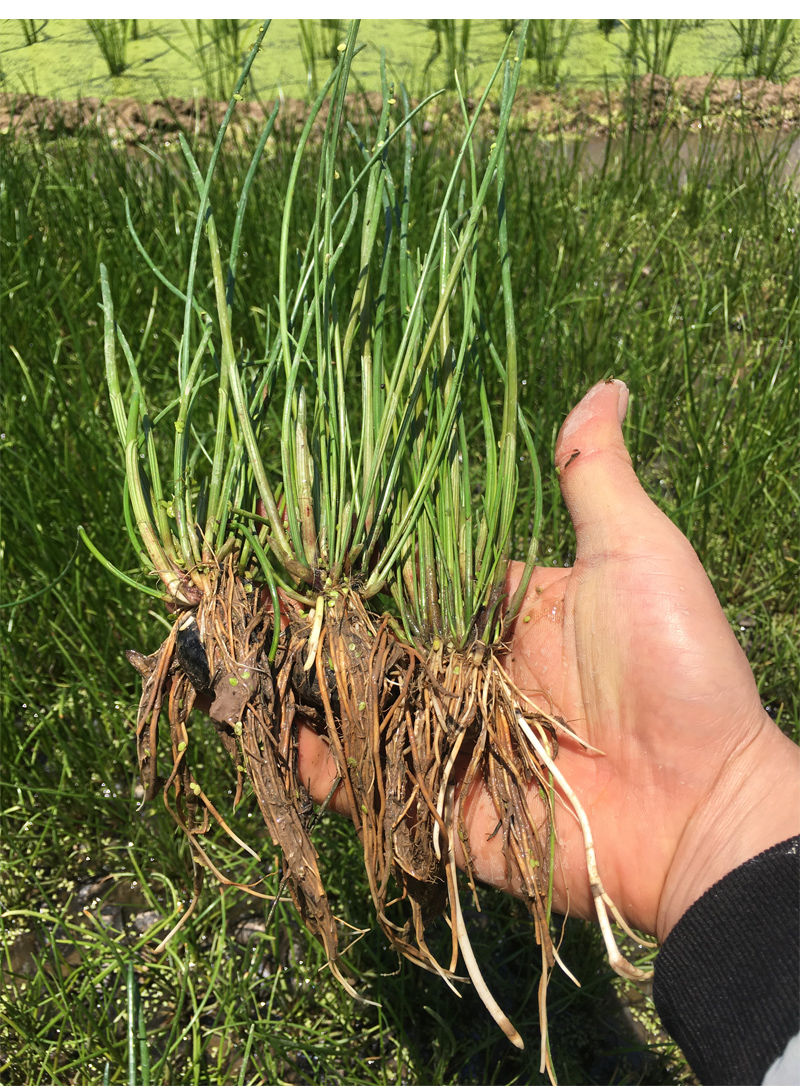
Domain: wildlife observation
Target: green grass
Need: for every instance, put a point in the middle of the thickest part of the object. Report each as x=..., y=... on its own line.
x=683, y=280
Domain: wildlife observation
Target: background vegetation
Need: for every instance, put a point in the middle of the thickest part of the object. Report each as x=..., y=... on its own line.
x=678, y=273
x=150, y=58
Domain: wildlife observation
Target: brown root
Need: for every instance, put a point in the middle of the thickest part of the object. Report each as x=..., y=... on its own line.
x=253, y=711
x=403, y=723
x=402, y=727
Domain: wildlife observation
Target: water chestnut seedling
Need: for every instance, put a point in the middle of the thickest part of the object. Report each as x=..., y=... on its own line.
x=379, y=612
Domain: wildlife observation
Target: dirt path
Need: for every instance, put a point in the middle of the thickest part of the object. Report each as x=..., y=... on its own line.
x=687, y=102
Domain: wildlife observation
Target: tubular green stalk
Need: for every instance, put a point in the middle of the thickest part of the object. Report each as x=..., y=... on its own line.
x=290, y=361
x=183, y=362
x=283, y=295
x=508, y=465
x=142, y=506
x=118, y=573
x=269, y=577
x=151, y=264
x=305, y=473
x=230, y=380
x=157, y=503
x=405, y=354
x=242, y=206
x=180, y=459
x=118, y=411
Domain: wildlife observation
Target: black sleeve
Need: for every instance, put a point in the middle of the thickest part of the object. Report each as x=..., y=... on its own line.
x=727, y=979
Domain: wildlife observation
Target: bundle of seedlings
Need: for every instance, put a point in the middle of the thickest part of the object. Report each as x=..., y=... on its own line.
x=342, y=561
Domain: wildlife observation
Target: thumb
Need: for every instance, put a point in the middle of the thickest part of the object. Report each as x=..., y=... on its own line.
x=606, y=501
x=650, y=561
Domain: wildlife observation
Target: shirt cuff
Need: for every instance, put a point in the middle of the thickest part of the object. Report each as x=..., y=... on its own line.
x=727, y=978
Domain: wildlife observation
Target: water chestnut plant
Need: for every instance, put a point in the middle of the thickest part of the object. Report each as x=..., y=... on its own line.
x=335, y=554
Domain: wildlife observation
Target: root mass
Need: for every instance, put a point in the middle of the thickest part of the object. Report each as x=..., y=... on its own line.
x=403, y=727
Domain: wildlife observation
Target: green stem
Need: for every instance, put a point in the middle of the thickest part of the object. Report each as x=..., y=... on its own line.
x=404, y=353
x=110, y=349
x=229, y=378
x=101, y=558
x=269, y=576
x=180, y=458
x=183, y=361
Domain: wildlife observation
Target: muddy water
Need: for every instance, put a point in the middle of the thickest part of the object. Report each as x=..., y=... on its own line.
x=140, y=127
x=687, y=148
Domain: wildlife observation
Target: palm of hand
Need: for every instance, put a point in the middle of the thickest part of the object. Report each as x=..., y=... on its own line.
x=635, y=655
x=631, y=648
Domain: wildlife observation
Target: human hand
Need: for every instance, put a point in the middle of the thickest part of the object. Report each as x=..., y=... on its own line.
x=631, y=648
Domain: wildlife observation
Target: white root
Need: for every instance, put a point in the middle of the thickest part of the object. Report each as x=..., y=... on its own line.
x=446, y=975
x=348, y=987
x=491, y=1004
x=448, y=769
x=558, y=724
x=544, y=1055
x=316, y=630
x=183, y=919
x=564, y=968
x=602, y=901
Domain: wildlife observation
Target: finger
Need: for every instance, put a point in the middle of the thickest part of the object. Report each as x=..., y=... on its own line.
x=595, y=470
x=594, y=422
x=612, y=514
x=651, y=569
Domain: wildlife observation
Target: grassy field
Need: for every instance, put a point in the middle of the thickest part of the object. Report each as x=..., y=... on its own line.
x=682, y=279
x=62, y=58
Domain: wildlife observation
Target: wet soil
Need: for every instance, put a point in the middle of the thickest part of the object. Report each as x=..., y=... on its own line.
x=687, y=102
